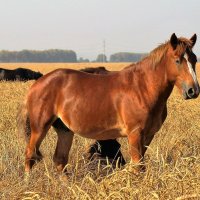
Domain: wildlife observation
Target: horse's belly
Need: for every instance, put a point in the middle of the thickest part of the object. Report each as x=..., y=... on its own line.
x=94, y=123
x=103, y=134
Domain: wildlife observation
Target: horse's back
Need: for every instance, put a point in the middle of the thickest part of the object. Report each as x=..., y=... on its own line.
x=76, y=78
x=70, y=83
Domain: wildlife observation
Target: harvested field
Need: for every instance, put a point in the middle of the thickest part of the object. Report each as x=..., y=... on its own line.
x=172, y=160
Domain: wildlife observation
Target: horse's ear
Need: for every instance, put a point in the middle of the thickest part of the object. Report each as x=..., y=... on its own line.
x=193, y=39
x=174, y=41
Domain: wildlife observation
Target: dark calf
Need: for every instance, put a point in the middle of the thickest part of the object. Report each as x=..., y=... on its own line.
x=110, y=149
x=97, y=70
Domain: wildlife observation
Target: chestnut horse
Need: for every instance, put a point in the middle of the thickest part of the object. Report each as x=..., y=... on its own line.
x=134, y=103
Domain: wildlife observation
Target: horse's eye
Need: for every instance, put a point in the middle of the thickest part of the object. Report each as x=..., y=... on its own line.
x=178, y=61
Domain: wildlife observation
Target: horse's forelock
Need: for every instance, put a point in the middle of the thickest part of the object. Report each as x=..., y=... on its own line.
x=183, y=45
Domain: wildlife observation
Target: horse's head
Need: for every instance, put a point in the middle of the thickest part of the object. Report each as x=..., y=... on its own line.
x=181, y=70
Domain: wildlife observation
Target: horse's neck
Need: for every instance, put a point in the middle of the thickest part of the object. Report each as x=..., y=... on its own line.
x=153, y=81
x=159, y=82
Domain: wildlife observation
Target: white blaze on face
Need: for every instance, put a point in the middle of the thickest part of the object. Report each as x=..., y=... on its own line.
x=192, y=72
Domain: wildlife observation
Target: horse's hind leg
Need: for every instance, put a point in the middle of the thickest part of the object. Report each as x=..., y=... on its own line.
x=32, y=151
x=65, y=138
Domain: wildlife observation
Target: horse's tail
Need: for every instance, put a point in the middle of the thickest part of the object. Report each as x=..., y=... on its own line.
x=23, y=122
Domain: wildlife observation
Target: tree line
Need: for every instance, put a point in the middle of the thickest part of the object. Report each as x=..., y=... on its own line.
x=52, y=55
x=127, y=57
x=57, y=55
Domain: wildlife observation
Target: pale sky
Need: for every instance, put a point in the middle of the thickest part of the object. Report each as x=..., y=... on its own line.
x=82, y=25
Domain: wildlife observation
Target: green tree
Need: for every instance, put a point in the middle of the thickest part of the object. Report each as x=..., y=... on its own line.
x=52, y=55
x=82, y=60
x=126, y=57
x=101, y=58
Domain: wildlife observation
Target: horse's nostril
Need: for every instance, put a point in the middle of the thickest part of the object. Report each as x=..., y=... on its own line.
x=191, y=92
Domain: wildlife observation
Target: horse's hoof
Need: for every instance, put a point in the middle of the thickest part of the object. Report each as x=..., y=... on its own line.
x=26, y=177
x=64, y=178
x=136, y=169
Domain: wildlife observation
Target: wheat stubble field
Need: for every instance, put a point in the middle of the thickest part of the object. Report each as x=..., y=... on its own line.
x=172, y=160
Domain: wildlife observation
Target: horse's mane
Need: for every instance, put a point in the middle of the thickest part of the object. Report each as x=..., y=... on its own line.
x=156, y=55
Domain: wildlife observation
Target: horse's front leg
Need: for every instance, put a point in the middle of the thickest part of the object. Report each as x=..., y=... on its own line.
x=135, y=149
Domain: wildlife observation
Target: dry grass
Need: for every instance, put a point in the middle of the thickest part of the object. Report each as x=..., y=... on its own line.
x=172, y=160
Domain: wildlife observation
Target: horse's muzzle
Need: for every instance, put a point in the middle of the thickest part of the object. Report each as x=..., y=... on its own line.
x=190, y=92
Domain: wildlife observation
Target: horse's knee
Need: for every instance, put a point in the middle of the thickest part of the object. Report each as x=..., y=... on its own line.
x=58, y=159
x=60, y=162
x=60, y=156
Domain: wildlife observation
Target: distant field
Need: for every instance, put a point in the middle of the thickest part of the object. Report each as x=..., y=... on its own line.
x=172, y=160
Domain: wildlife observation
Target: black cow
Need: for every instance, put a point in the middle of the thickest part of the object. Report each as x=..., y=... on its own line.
x=104, y=148
x=19, y=74
x=96, y=70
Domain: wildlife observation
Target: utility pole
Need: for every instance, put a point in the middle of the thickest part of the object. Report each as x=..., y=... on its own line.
x=104, y=51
